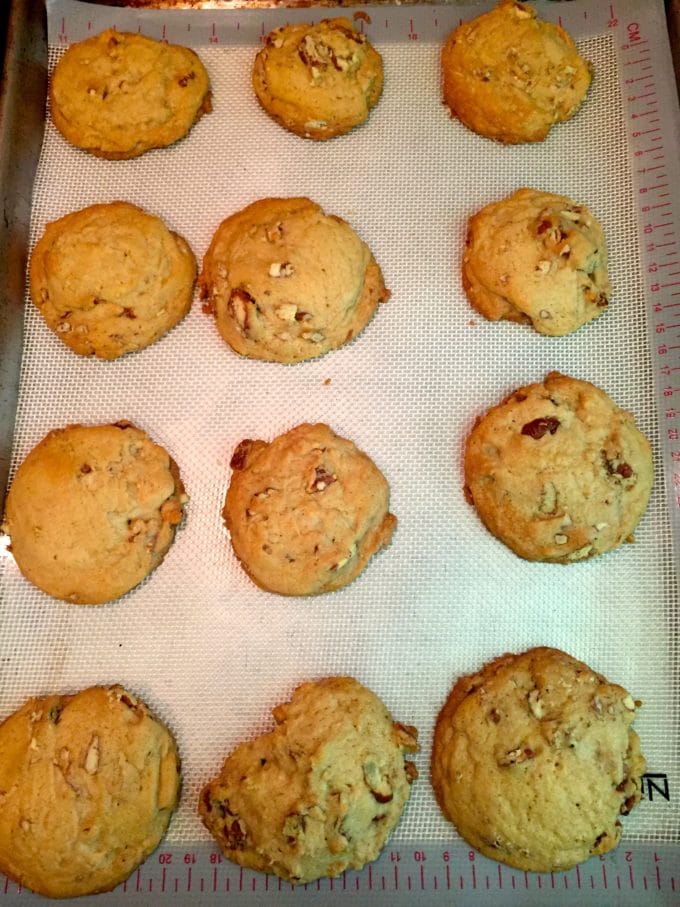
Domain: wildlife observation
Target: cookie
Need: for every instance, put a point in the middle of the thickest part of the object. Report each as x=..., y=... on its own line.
x=318, y=81
x=537, y=258
x=92, y=511
x=117, y=95
x=111, y=279
x=88, y=784
x=319, y=794
x=558, y=472
x=287, y=282
x=509, y=76
x=306, y=511
x=534, y=760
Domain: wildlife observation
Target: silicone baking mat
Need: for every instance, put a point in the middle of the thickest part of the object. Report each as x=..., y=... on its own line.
x=210, y=652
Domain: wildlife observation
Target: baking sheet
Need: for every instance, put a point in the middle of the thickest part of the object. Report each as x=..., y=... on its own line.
x=205, y=648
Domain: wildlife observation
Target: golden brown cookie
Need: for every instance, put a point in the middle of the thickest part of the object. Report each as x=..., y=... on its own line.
x=509, y=76
x=306, y=511
x=558, y=472
x=287, y=282
x=319, y=794
x=92, y=511
x=118, y=95
x=537, y=258
x=88, y=784
x=111, y=279
x=534, y=760
x=318, y=81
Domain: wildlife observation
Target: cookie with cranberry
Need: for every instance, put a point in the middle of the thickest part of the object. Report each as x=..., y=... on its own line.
x=537, y=258
x=558, y=472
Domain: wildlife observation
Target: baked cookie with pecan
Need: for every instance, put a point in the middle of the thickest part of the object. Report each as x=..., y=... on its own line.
x=558, y=472
x=111, y=279
x=306, y=511
x=510, y=76
x=537, y=258
x=88, y=785
x=287, y=282
x=92, y=511
x=534, y=760
x=318, y=81
x=319, y=794
x=117, y=95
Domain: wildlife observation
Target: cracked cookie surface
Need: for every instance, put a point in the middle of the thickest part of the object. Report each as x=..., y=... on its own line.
x=88, y=783
x=307, y=511
x=509, y=76
x=534, y=760
x=92, y=510
x=111, y=279
x=558, y=472
x=319, y=794
x=287, y=282
x=318, y=81
x=537, y=258
x=117, y=95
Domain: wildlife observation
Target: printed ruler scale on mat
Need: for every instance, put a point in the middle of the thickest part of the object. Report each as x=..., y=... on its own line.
x=432, y=874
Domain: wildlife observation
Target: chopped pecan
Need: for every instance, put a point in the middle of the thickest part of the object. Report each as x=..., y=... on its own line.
x=536, y=706
x=322, y=479
x=537, y=428
x=184, y=81
x=411, y=770
x=92, y=756
x=235, y=833
x=378, y=785
x=240, y=302
x=407, y=737
x=281, y=269
x=516, y=756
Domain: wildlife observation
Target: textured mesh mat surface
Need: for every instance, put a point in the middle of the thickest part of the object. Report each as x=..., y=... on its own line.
x=205, y=648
